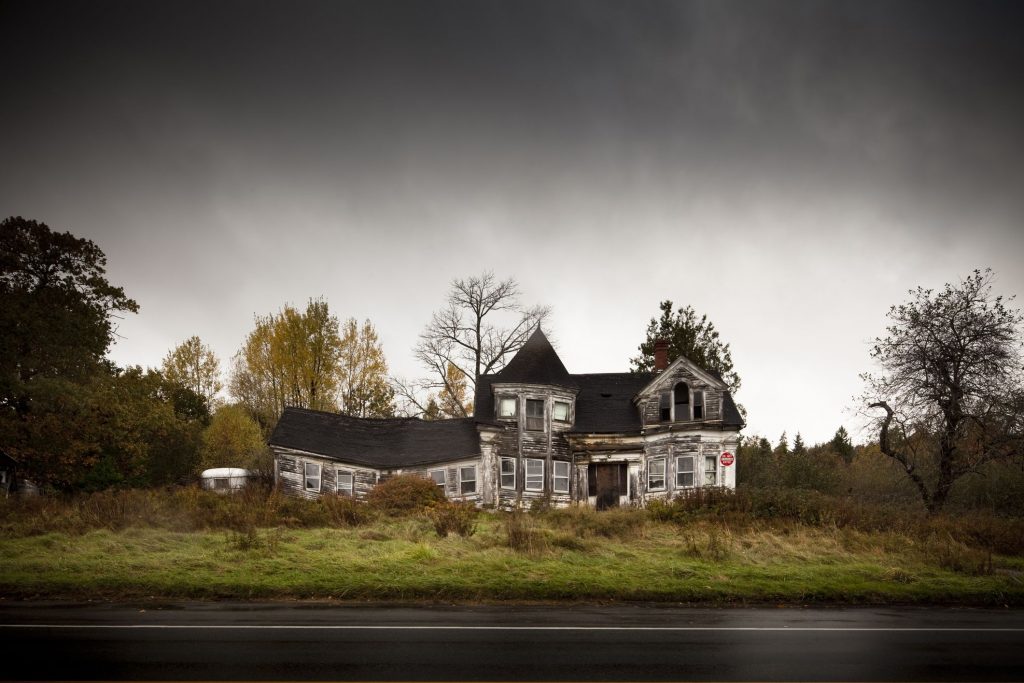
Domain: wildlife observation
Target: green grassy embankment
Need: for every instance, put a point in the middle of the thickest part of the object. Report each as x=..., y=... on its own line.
x=554, y=555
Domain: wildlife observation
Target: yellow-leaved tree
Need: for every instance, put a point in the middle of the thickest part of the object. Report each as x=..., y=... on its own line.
x=363, y=373
x=193, y=365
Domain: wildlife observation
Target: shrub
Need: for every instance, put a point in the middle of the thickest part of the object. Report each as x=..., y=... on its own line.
x=404, y=493
x=523, y=534
x=345, y=511
x=622, y=523
x=449, y=517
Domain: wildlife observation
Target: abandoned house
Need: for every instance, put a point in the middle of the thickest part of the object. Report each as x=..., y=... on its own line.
x=538, y=432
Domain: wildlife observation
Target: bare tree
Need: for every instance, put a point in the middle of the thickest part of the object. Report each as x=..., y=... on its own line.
x=951, y=384
x=480, y=329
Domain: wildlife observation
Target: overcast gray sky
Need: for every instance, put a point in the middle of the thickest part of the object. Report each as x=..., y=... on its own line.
x=788, y=168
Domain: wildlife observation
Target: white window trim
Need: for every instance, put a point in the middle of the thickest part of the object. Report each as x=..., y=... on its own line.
x=543, y=414
x=443, y=485
x=502, y=474
x=526, y=475
x=692, y=471
x=650, y=472
x=555, y=477
x=515, y=407
x=713, y=470
x=351, y=490
x=463, y=480
x=306, y=477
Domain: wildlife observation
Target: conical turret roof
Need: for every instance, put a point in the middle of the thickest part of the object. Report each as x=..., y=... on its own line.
x=536, y=363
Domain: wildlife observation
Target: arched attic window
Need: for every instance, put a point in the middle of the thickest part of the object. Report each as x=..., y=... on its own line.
x=681, y=396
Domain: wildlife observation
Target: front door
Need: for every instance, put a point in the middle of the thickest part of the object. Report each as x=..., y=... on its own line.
x=608, y=484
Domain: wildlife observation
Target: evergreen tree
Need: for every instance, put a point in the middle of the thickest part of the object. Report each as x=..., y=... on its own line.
x=798, y=445
x=783, y=447
x=841, y=445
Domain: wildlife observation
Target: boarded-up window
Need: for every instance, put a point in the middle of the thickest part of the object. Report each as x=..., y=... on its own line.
x=711, y=470
x=681, y=393
x=467, y=479
x=344, y=482
x=507, y=406
x=560, y=477
x=508, y=473
x=439, y=477
x=560, y=411
x=535, y=415
x=698, y=405
x=656, y=474
x=684, y=471
x=312, y=472
x=534, y=474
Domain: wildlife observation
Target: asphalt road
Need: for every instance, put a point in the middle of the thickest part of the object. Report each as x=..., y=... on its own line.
x=303, y=641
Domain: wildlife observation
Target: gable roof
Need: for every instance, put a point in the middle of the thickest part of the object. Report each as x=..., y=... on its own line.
x=377, y=443
x=536, y=363
x=708, y=376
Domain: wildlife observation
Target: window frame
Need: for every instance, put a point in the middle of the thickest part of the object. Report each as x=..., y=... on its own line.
x=502, y=473
x=515, y=407
x=554, y=411
x=676, y=402
x=692, y=471
x=702, y=404
x=555, y=476
x=351, y=482
x=443, y=485
x=463, y=480
x=665, y=406
x=650, y=474
x=306, y=477
x=711, y=473
x=530, y=421
x=527, y=475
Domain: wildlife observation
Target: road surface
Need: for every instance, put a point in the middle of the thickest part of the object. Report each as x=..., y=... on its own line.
x=291, y=641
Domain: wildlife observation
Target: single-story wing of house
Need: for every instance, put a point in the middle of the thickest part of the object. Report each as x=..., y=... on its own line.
x=538, y=433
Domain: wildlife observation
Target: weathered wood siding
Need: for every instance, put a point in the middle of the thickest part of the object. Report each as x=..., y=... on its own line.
x=548, y=445
x=649, y=403
x=290, y=474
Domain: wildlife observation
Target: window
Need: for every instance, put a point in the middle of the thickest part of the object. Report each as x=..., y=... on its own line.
x=560, y=477
x=681, y=393
x=698, y=405
x=440, y=478
x=711, y=470
x=508, y=473
x=467, y=479
x=534, y=474
x=656, y=474
x=220, y=483
x=684, y=471
x=312, y=472
x=507, y=406
x=535, y=414
x=665, y=406
x=344, y=482
x=560, y=411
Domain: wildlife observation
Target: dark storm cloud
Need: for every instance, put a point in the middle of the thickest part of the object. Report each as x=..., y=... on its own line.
x=816, y=156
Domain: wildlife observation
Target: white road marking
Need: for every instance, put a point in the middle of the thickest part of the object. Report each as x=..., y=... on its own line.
x=434, y=627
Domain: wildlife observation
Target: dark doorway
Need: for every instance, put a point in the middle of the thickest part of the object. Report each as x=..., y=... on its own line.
x=607, y=482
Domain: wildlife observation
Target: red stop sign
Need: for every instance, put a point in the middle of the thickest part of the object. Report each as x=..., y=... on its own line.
x=727, y=459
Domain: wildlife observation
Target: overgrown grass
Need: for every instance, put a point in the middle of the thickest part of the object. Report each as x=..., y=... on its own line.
x=191, y=544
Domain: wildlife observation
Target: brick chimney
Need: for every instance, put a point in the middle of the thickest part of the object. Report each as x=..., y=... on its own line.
x=660, y=354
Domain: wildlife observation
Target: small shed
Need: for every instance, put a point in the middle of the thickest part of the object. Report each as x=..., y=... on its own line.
x=225, y=478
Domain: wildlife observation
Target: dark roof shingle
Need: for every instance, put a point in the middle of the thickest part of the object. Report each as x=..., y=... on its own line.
x=378, y=443
x=536, y=363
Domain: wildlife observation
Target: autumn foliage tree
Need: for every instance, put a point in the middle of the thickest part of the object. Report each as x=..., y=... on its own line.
x=948, y=397
x=304, y=359
x=363, y=373
x=193, y=365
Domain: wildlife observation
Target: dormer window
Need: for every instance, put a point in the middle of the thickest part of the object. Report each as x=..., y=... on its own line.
x=560, y=411
x=665, y=406
x=681, y=394
x=698, y=405
x=507, y=406
x=535, y=414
